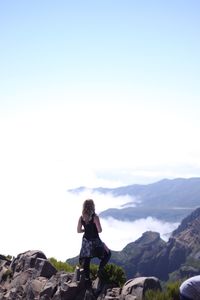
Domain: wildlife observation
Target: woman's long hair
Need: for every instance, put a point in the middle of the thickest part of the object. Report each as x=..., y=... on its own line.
x=88, y=210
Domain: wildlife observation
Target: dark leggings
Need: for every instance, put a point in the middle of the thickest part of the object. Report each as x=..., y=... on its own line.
x=85, y=263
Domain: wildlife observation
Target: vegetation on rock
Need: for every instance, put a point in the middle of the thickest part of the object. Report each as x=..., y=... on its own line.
x=61, y=266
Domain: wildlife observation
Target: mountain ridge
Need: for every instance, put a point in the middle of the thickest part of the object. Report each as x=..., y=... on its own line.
x=168, y=199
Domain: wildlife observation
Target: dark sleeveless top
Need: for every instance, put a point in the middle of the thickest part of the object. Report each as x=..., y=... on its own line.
x=91, y=232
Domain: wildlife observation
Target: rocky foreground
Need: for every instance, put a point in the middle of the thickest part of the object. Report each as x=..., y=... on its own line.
x=31, y=276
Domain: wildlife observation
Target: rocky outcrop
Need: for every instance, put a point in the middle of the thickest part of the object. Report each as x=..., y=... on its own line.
x=137, y=258
x=181, y=253
x=137, y=287
x=150, y=256
x=30, y=276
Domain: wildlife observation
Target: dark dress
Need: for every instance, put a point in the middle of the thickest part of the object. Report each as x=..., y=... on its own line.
x=91, y=242
x=92, y=246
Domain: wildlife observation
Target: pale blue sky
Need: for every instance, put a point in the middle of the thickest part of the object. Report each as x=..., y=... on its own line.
x=103, y=85
x=94, y=93
x=48, y=47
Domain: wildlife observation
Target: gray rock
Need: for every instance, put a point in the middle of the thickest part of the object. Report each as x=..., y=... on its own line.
x=44, y=268
x=32, y=277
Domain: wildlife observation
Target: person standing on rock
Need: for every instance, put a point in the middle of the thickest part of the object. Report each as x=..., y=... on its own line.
x=190, y=289
x=92, y=246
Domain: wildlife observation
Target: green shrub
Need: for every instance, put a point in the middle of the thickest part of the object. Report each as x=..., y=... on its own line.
x=171, y=292
x=61, y=266
x=93, y=271
x=156, y=295
x=112, y=274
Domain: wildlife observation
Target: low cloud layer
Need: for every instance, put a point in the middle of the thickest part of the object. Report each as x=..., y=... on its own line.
x=118, y=234
x=50, y=225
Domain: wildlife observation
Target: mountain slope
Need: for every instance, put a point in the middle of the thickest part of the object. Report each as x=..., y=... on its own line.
x=150, y=256
x=168, y=200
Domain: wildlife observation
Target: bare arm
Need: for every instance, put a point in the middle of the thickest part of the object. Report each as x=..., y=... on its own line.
x=97, y=223
x=79, y=226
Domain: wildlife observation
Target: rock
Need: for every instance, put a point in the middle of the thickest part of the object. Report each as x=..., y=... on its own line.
x=34, y=287
x=44, y=268
x=136, y=288
x=32, y=277
x=26, y=260
x=49, y=288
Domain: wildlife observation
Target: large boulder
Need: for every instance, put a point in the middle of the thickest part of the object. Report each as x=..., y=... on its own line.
x=135, y=289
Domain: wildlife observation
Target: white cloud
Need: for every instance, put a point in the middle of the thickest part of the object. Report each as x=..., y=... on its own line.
x=73, y=141
x=118, y=234
x=48, y=222
x=45, y=152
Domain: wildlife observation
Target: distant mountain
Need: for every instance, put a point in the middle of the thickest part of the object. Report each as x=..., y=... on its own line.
x=151, y=256
x=168, y=200
x=177, y=258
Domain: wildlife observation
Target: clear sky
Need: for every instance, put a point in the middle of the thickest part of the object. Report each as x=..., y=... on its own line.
x=96, y=93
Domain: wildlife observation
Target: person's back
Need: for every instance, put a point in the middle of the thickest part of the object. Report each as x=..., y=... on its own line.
x=92, y=246
x=90, y=228
x=190, y=289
